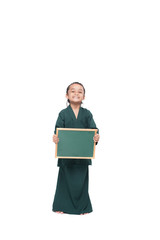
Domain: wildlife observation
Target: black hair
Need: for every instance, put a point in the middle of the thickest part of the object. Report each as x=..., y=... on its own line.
x=72, y=84
x=75, y=83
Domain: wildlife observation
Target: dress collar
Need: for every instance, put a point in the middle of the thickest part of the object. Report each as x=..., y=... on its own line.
x=72, y=112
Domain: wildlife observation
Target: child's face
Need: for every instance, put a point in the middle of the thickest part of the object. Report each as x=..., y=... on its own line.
x=75, y=93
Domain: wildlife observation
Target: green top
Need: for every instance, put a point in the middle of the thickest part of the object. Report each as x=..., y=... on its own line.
x=67, y=119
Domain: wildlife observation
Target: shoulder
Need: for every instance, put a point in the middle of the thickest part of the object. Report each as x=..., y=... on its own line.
x=62, y=112
x=86, y=111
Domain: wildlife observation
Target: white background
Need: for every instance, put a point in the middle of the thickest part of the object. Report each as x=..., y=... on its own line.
x=112, y=47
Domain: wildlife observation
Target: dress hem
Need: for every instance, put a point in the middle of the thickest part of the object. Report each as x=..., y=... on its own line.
x=72, y=213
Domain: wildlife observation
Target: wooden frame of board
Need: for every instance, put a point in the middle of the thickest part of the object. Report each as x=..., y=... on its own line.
x=81, y=140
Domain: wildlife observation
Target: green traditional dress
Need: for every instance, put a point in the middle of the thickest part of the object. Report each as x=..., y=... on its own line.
x=71, y=194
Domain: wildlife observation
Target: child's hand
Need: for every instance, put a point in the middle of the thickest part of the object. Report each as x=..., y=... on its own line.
x=96, y=138
x=55, y=139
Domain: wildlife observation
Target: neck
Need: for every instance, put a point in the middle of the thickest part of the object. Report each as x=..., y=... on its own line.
x=75, y=105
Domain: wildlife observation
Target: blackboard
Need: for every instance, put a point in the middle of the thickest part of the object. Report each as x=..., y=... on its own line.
x=75, y=143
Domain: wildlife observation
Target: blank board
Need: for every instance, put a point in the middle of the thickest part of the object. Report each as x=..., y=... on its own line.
x=75, y=143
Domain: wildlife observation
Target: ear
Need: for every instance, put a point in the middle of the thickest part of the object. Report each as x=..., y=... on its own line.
x=83, y=97
x=66, y=96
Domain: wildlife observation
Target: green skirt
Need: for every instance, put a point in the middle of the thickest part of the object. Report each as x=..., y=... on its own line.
x=71, y=194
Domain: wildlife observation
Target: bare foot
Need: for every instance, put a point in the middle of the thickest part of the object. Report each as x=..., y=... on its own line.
x=59, y=212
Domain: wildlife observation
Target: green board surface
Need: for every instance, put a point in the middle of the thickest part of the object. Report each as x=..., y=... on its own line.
x=77, y=143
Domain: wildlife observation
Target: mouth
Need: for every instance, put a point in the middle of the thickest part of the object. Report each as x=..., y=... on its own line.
x=76, y=98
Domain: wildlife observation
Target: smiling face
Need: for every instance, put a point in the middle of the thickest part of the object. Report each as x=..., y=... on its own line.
x=75, y=94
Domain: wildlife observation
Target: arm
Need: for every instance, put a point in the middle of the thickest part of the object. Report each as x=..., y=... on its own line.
x=92, y=124
x=59, y=124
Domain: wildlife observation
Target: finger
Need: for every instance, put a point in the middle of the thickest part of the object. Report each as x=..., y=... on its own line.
x=96, y=137
x=55, y=138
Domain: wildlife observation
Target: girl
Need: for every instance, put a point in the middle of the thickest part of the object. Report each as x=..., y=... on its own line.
x=72, y=186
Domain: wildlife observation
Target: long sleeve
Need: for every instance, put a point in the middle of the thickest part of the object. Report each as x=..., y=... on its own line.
x=91, y=123
x=60, y=121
